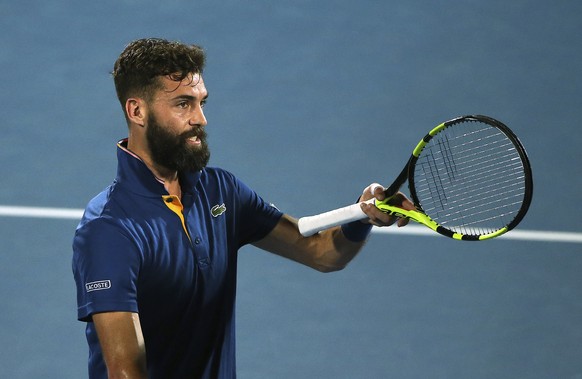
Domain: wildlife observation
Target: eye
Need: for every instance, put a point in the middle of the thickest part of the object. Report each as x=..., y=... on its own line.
x=202, y=103
x=182, y=104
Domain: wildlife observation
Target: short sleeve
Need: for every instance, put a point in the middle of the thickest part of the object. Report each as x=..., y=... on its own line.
x=258, y=217
x=105, y=266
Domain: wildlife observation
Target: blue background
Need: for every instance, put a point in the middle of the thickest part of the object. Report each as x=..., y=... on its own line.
x=310, y=101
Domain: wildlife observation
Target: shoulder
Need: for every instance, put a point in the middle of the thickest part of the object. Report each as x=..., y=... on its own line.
x=217, y=173
x=215, y=178
x=100, y=205
x=103, y=214
x=96, y=206
x=219, y=183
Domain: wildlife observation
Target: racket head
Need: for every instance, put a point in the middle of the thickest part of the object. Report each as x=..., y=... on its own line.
x=472, y=177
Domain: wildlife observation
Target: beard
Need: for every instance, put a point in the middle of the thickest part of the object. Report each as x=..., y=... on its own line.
x=172, y=151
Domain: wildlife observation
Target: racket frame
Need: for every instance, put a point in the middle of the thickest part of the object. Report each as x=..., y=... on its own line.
x=419, y=216
x=312, y=224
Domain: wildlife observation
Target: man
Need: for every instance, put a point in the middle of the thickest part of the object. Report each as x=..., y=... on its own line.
x=155, y=254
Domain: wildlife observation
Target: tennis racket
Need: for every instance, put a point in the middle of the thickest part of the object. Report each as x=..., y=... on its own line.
x=469, y=178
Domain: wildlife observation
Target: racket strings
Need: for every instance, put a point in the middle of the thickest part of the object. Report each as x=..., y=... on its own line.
x=470, y=179
x=478, y=184
x=437, y=191
x=476, y=180
x=506, y=208
x=471, y=202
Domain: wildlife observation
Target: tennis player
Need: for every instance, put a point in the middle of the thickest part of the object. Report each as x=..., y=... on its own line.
x=155, y=254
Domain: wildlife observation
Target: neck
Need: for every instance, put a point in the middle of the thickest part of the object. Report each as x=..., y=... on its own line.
x=173, y=187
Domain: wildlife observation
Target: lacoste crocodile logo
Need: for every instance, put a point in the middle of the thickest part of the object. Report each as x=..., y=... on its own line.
x=217, y=210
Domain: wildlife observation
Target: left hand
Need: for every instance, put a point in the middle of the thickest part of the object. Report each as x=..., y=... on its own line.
x=376, y=216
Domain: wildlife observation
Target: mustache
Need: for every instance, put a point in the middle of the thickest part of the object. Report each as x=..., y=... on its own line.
x=195, y=132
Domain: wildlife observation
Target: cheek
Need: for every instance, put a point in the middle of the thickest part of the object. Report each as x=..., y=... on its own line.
x=178, y=122
x=171, y=126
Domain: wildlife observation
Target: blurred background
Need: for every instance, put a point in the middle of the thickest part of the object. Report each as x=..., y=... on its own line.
x=310, y=101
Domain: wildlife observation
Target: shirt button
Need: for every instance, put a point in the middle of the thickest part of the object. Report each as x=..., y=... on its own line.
x=197, y=240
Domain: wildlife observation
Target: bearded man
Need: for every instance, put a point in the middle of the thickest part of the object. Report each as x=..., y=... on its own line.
x=155, y=254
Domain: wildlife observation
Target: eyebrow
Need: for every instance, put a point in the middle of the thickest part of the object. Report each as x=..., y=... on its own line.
x=189, y=97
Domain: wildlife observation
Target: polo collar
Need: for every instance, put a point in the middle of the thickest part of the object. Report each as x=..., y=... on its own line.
x=133, y=174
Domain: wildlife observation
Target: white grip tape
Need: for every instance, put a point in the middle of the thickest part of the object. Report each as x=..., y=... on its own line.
x=312, y=224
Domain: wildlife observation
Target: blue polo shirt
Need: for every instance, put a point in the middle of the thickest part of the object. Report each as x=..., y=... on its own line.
x=171, y=260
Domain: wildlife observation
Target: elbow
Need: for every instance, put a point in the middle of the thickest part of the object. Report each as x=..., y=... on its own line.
x=330, y=262
x=329, y=268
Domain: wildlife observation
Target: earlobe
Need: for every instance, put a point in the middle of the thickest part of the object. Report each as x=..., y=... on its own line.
x=135, y=111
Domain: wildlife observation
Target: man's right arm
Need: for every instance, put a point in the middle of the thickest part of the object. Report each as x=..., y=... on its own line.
x=122, y=344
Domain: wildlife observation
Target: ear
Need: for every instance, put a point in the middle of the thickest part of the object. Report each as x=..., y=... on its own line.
x=136, y=111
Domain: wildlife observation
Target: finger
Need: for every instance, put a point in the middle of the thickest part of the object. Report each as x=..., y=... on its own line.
x=377, y=217
x=402, y=222
x=377, y=191
x=400, y=200
x=407, y=204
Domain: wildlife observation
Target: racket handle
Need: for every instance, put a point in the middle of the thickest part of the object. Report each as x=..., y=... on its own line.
x=312, y=224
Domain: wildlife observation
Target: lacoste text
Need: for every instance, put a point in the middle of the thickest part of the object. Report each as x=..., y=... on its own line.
x=99, y=285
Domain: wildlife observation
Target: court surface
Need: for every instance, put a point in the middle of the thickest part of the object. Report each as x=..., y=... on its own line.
x=310, y=101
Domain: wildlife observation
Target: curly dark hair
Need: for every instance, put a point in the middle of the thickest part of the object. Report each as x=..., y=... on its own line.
x=142, y=62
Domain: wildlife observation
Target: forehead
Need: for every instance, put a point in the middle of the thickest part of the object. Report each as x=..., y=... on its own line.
x=193, y=84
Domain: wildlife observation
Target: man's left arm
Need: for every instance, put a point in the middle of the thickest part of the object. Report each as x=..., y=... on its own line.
x=333, y=249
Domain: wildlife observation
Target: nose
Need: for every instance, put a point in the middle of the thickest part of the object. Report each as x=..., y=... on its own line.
x=198, y=118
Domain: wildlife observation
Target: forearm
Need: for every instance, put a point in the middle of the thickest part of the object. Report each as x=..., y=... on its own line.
x=327, y=251
x=335, y=251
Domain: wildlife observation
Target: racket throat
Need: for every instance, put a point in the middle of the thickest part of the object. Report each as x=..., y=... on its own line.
x=413, y=215
x=395, y=186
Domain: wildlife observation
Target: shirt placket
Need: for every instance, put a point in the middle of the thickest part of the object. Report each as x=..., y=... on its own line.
x=175, y=205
